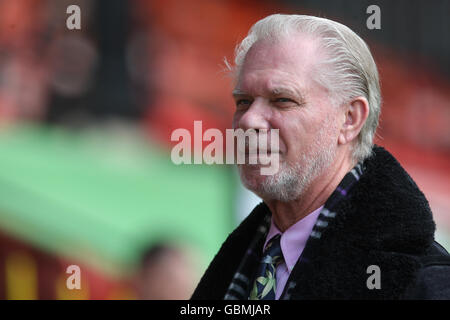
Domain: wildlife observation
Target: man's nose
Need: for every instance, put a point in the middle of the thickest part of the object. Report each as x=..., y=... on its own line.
x=255, y=117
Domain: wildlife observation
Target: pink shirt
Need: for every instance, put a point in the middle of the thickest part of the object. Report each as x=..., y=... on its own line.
x=292, y=242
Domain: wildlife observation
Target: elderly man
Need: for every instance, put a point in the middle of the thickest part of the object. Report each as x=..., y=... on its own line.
x=340, y=219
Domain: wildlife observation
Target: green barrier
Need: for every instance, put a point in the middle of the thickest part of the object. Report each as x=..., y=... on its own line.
x=102, y=196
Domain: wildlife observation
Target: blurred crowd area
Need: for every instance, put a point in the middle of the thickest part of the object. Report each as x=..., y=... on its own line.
x=161, y=63
x=154, y=66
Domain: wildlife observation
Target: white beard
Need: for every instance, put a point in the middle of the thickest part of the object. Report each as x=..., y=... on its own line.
x=291, y=181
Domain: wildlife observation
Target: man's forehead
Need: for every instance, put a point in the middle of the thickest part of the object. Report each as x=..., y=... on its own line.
x=281, y=65
x=269, y=88
x=271, y=81
x=295, y=51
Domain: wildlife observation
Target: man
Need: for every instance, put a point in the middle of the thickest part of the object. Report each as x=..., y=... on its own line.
x=340, y=219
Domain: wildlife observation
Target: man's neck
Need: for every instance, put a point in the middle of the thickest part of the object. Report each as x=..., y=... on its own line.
x=285, y=214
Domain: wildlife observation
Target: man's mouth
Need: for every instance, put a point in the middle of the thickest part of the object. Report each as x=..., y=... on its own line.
x=260, y=152
x=259, y=148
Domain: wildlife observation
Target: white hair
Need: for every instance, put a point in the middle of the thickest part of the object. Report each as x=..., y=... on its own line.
x=349, y=70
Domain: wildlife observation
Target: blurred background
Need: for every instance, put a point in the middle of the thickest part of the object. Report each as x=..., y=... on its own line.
x=86, y=117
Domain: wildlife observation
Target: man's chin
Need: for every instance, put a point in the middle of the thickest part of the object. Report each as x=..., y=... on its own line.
x=259, y=186
x=282, y=186
x=251, y=176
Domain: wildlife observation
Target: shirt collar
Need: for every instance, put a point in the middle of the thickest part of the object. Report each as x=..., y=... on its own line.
x=293, y=240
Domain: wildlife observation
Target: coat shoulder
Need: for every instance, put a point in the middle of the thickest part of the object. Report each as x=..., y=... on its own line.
x=433, y=277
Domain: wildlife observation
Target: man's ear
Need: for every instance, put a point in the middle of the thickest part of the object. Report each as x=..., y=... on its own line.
x=355, y=113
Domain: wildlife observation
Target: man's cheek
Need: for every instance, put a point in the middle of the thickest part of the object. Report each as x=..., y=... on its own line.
x=282, y=145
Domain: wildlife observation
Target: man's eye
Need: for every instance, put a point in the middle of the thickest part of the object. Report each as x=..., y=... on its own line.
x=243, y=103
x=282, y=100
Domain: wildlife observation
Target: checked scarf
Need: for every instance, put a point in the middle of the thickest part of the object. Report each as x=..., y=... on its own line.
x=242, y=283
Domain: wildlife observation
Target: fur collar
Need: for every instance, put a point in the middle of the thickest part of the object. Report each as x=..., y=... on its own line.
x=387, y=222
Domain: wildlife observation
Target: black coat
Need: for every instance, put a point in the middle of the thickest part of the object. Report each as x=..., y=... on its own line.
x=387, y=222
